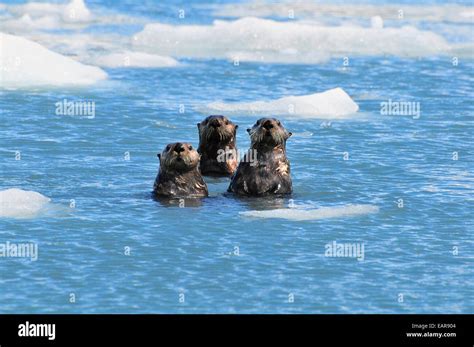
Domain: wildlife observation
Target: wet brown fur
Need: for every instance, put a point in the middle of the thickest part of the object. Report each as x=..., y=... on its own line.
x=217, y=135
x=179, y=174
x=269, y=174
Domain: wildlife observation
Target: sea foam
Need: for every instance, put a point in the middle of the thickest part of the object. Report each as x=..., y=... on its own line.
x=24, y=63
x=298, y=214
x=331, y=104
x=18, y=203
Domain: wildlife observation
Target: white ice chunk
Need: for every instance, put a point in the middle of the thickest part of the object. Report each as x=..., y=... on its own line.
x=331, y=104
x=24, y=63
x=17, y=203
x=297, y=214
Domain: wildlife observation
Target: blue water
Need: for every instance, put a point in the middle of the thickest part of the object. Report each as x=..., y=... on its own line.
x=190, y=250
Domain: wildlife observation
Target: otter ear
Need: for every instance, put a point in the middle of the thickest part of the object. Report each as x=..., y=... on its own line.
x=236, y=126
x=199, y=125
x=248, y=130
x=159, y=156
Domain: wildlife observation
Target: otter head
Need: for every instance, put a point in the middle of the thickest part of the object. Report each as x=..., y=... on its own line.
x=218, y=129
x=179, y=157
x=268, y=132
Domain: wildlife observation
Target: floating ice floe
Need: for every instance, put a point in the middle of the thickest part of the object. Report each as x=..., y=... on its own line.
x=74, y=11
x=265, y=40
x=376, y=22
x=51, y=15
x=34, y=21
x=306, y=9
x=17, y=203
x=298, y=214
x=331, y=104
x=24, y=63
x=247, y=39
x=134, y=59
x=26, y=22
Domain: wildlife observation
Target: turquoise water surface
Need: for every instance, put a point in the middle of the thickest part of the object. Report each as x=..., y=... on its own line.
x=119, y=251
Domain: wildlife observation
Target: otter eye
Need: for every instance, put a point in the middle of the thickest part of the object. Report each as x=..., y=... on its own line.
x=190, y=148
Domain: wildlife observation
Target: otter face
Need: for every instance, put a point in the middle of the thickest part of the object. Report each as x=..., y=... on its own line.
x=179, y=157
x=268, y=131
x=217, y=128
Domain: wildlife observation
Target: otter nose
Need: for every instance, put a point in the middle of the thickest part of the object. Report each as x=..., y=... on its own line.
x=179, y=148
x=268, y=125
x=215, y=123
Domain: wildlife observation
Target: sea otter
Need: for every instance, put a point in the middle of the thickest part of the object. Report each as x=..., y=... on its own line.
x=217, y=146
x=269, y=171
x=179, y=174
